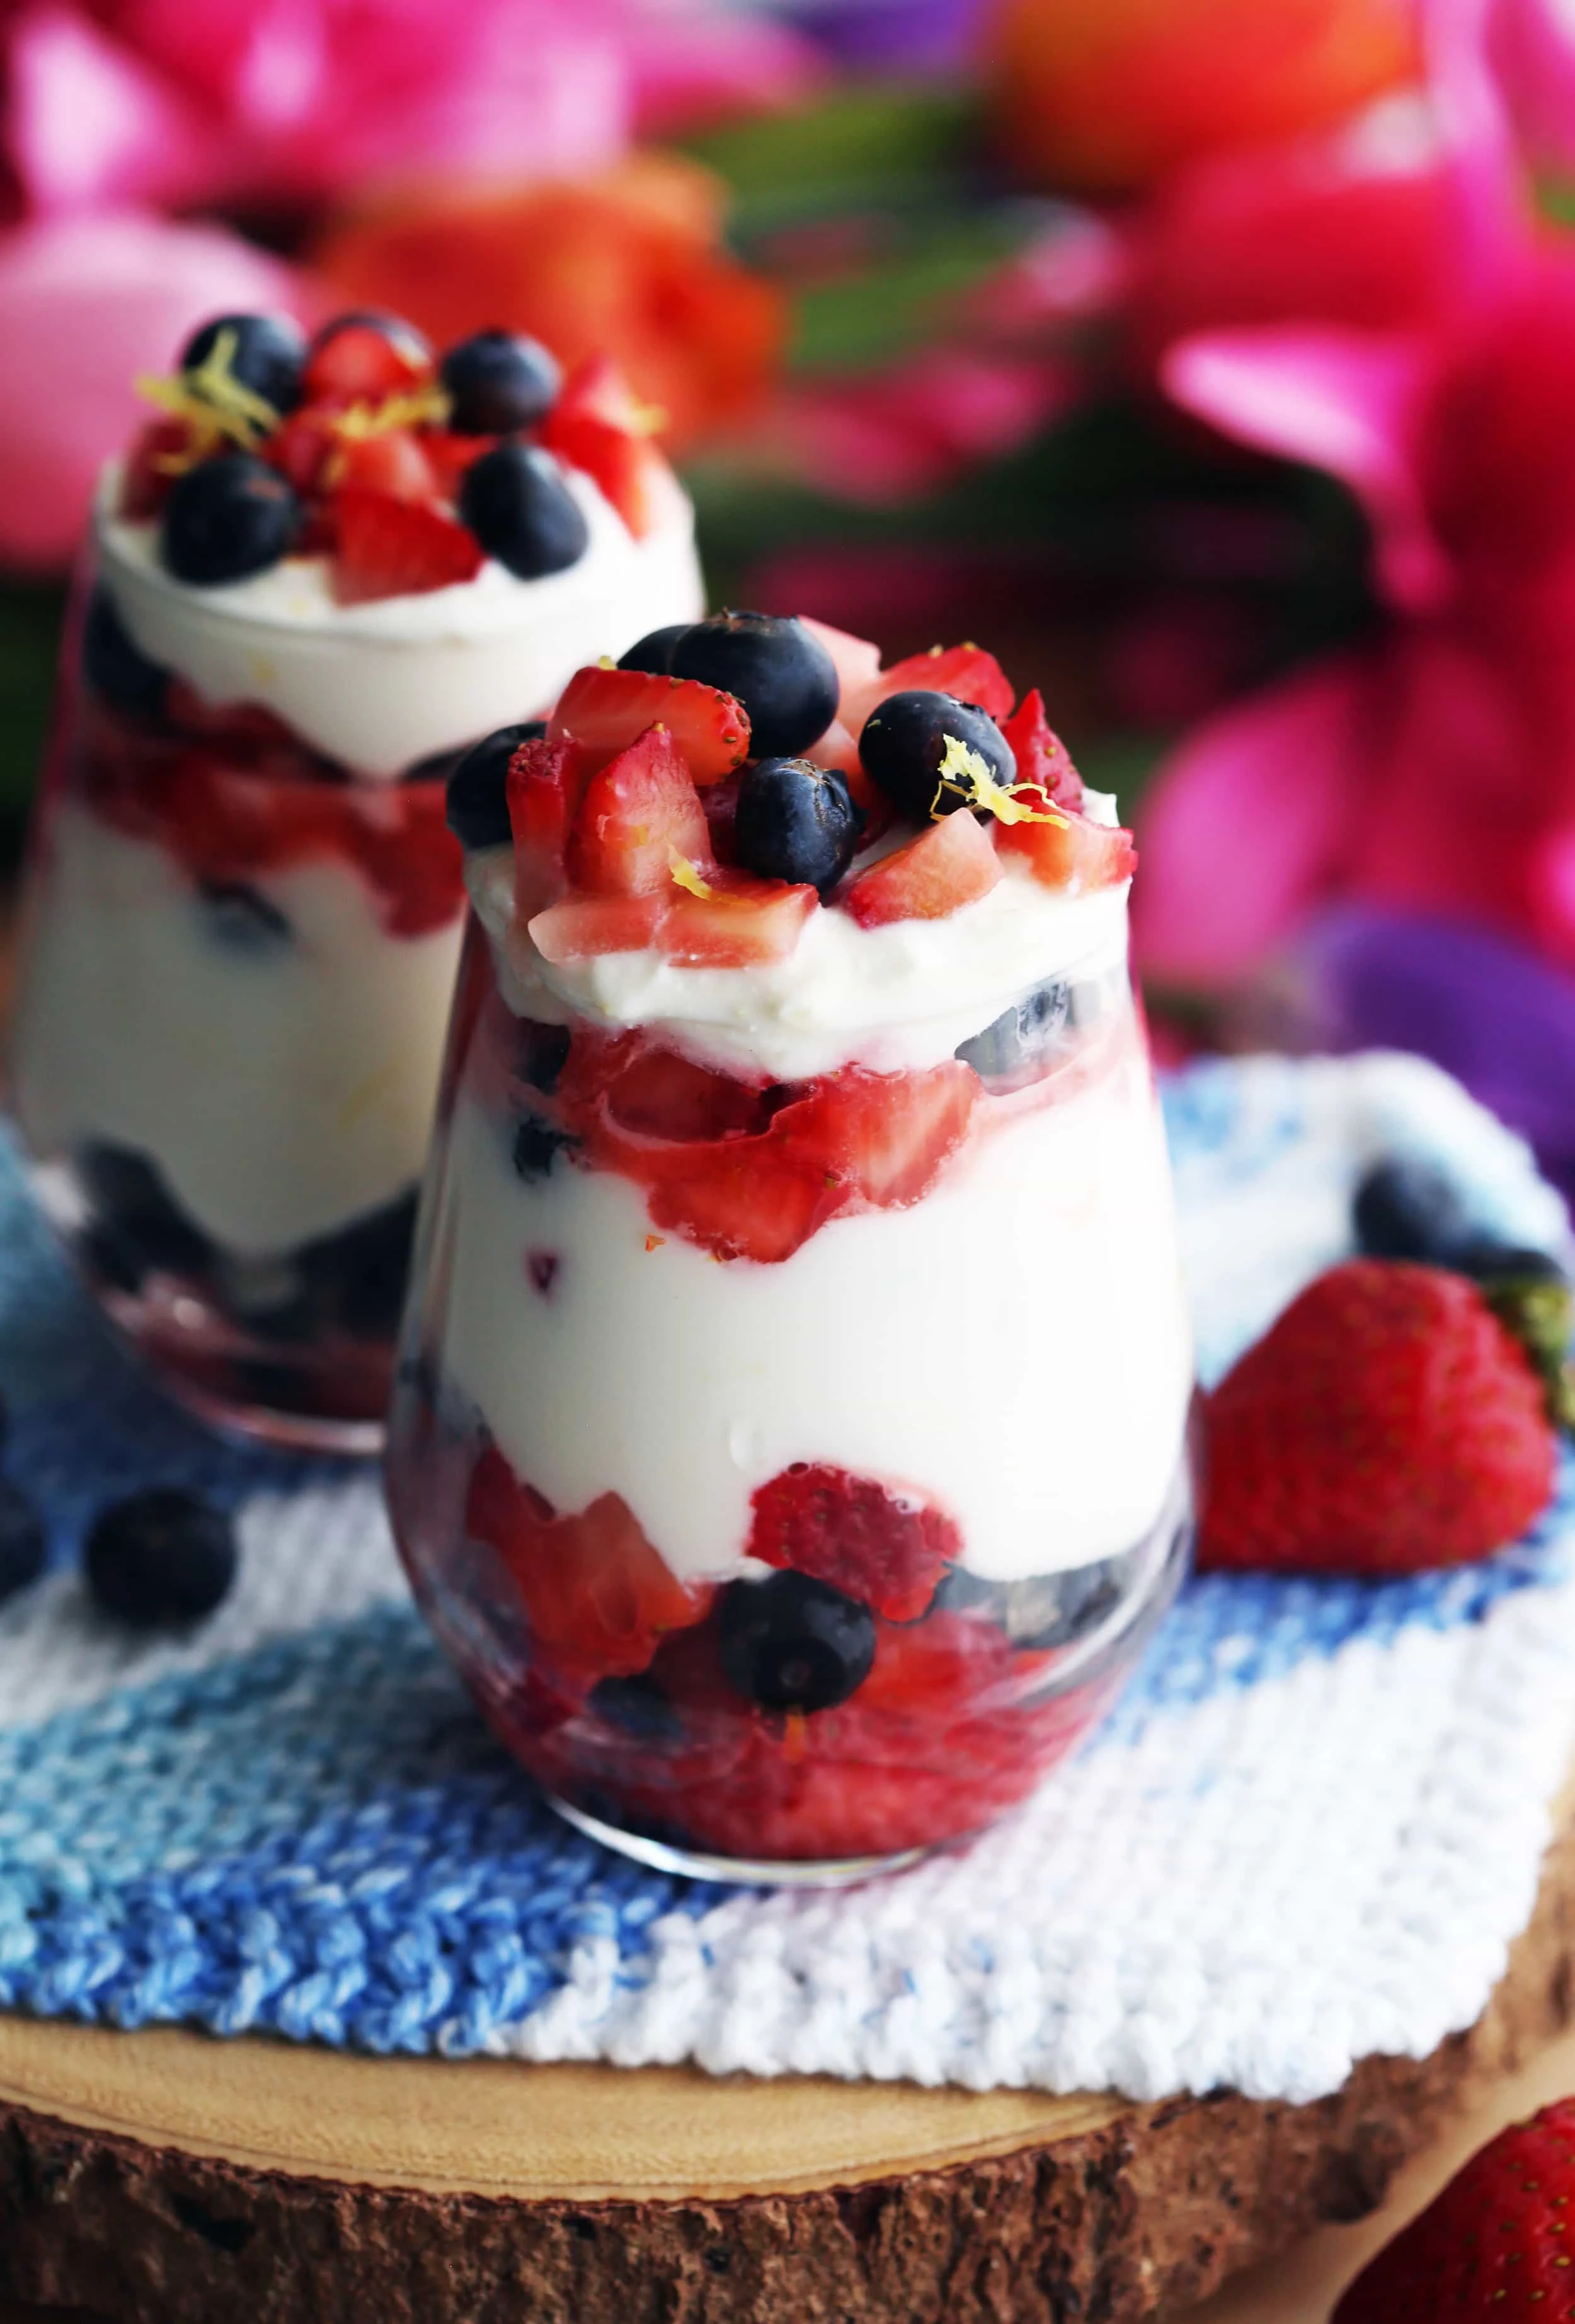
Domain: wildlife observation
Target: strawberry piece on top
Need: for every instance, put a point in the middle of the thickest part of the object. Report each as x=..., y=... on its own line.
x=951, y=864
x=388, y=548
x=640, y=812
x=606, y=710
x=597, y=427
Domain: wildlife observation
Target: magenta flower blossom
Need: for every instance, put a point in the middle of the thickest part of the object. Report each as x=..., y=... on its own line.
x=1434, y=767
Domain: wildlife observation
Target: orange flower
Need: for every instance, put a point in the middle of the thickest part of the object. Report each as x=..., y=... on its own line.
x=1109, y=94
x=628, y=265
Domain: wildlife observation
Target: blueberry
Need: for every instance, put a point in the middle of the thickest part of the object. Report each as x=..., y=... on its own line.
x=904, y=744
x=241, y=917
x=266, y=354
x=779, y=670
x=537, y=1146
x=116, y=666
x=478, y=788
x=796, y=822
x=226, y=518
x=134, y=1209
x=515, y=501
x=639, y=1706
x=160, y=1557
x=24, y=1543
x=794, y=1644
x=654, y=651
x=1023, y=1040
x=541, y=1053
x=1406, y=1208
x=1488, y=1260
x=497, y=382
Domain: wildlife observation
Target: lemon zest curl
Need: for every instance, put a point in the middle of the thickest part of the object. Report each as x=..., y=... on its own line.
x=964, y=771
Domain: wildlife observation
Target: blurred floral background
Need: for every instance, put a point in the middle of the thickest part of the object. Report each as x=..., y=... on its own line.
x=1214, y=360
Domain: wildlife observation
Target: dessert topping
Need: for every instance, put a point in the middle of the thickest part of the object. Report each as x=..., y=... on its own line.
x=794, y=821
x=515, y=501
x=776, y=668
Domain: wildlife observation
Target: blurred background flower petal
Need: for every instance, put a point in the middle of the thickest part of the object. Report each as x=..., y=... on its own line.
x=86, y=304
x=880, y=438
x=629, y=263
x=89, y=124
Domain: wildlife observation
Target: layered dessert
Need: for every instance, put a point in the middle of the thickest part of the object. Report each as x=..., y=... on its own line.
x=324, y=570
x=789, y=1441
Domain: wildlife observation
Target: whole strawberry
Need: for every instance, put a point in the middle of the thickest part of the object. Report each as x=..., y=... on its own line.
x=1497, y=2246
x=1388, y=1421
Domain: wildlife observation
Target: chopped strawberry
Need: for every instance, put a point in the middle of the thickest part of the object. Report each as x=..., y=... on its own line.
x=657, y=1093
x=598, y=426
x=547, y=781
x=951, y=864
x=394, y=462
x=364, y=360
x=967, y=671
x=857, y=659
x=302, y=445
x=740, y=920
x=1041, y=755
x=448, y=457
x=852, y=1532
x=597, y=1595
x=606, y=710
x=638, y=811
x=146, y=482
x=1075, y=855
x=837, y=748
x=584, y=928
x=937, y=1667
x=883, y=1137
x=387, y=547
x=720, y=801
x=237, y=723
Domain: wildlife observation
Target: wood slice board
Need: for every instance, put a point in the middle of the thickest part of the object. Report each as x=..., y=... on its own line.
x=163, y=2178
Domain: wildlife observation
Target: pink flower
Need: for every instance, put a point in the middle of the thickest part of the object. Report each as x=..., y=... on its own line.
x=163, y=103
x=85, y=305
x=1435, y=767
x=883, y=437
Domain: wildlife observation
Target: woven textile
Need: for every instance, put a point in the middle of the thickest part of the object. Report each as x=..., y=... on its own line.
x=1309, y=1831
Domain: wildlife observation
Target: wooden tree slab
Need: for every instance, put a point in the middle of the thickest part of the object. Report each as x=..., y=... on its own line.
x=162, y=2178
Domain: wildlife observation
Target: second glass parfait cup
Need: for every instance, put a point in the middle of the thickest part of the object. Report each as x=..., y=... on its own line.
x=790, y=1444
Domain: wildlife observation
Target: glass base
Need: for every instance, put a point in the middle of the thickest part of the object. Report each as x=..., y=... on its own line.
x=258, y=1423
x=694, y=1865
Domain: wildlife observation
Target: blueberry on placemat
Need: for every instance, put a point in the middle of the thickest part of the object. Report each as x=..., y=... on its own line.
x=778, y=670
x=794, y=1644
x=497, y=382
x=160, y=1557
x=24, y=1543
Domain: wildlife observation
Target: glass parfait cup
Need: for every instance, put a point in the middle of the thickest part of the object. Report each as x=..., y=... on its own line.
x=793, y=1464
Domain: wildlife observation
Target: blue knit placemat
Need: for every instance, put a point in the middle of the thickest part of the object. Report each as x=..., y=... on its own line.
x=1308, y=1832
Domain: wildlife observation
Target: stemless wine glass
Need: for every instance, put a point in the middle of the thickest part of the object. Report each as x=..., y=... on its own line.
x=792, y=1463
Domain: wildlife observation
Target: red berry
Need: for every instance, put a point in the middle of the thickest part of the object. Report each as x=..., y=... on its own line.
x=1387, y=1421
x=1074, y=854
x=606, y=710
x=584, y=928
x=394, y=462
x=547, y=781
x=388, y=548
x=739, y=922
x=598, y=426
x=301, y=446
x=966, y=671
x=450, y=456
x=857, y=659
x=638, y=811
x=1041, y=755
x=852, y=1532
x=365, y=359
x=597, y=1595
x=1494, y=2247
x=951, y=864
x=146, y=479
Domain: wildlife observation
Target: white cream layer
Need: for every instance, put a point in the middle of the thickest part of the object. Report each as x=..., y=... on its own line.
x=895, y=999
x=1014, y=1347
x=282, y=1091
x=378, y=686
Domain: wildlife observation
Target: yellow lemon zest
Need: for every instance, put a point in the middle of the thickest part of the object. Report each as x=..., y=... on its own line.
x=212, y=400
x=686, y=876
x=963, y=770
x=412, y=407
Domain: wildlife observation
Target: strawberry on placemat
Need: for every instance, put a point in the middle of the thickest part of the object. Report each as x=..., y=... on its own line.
x=1497, y=2246
x=1387, y=1421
